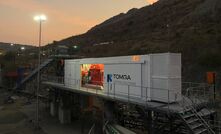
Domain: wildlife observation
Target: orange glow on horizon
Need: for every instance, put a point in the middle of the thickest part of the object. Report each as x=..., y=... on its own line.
x=151, y=1
x=64, y=19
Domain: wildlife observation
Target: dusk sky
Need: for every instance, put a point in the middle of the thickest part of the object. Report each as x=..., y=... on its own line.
x=64, y=17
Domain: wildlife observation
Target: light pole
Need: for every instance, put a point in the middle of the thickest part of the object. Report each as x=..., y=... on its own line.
x=40, y=19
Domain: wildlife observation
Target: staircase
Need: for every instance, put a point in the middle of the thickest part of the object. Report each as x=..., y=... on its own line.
x=34, y=72
x=191, y=118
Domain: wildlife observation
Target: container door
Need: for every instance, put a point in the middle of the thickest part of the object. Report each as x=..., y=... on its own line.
x=72, y=75
x=78, y=75
x=67, y=73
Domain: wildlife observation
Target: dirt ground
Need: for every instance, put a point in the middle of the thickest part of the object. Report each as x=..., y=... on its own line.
x=17, y=116
x=12, y=119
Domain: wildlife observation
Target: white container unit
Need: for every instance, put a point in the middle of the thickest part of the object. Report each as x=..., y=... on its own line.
x=153, y=77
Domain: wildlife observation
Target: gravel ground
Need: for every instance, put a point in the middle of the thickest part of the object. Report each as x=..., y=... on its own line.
x=12, y=119
x=18, y=118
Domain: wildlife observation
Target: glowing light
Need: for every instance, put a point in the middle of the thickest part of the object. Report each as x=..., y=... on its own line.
x=75, y=47
x=40, y=18
x=136, y=58
x=22, y=48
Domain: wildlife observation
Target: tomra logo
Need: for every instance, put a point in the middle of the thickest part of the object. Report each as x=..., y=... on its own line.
x=110, y=77
x=122, y=76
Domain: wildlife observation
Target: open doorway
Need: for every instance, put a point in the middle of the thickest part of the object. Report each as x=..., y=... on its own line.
x=92, y=76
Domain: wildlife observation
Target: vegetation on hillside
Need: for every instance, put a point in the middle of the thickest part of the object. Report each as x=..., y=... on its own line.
x=190, y=27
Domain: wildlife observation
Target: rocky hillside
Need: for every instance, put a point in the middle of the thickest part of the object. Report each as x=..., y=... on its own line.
x=191, y=27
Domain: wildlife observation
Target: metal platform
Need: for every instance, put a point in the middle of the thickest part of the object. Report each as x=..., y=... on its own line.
x=187, y=107
x=169, y=108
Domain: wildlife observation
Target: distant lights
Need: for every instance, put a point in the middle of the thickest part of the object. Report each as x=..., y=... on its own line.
x=40, y=18
x=12, y=44
x=75, y=47
x=22, y=48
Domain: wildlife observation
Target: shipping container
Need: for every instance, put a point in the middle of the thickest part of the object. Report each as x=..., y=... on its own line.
x=152, y=77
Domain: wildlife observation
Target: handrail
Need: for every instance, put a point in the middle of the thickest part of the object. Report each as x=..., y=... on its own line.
x=216, y=125
x=198, y=116
x=197, y=95
x=114, y=130
x=199, y=99
x=105, y=125
x=92, y=128
x=111, y=91
x=194, y=84
x=197, y=106
x=60, y=77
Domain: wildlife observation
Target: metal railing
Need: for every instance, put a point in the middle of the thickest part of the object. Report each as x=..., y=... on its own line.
x=111, y=130
x=139, y=94
x=197, y=102
x=201, y=94
x=57, y=79
x=134, y=93
x=105, y=126
x=199, y=90
x=92, y=129
x=216, y=125
x=127, y=92
x=190, y=105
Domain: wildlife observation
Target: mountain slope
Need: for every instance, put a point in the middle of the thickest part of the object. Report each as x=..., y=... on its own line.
x=191, y=27
x=16, y=47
